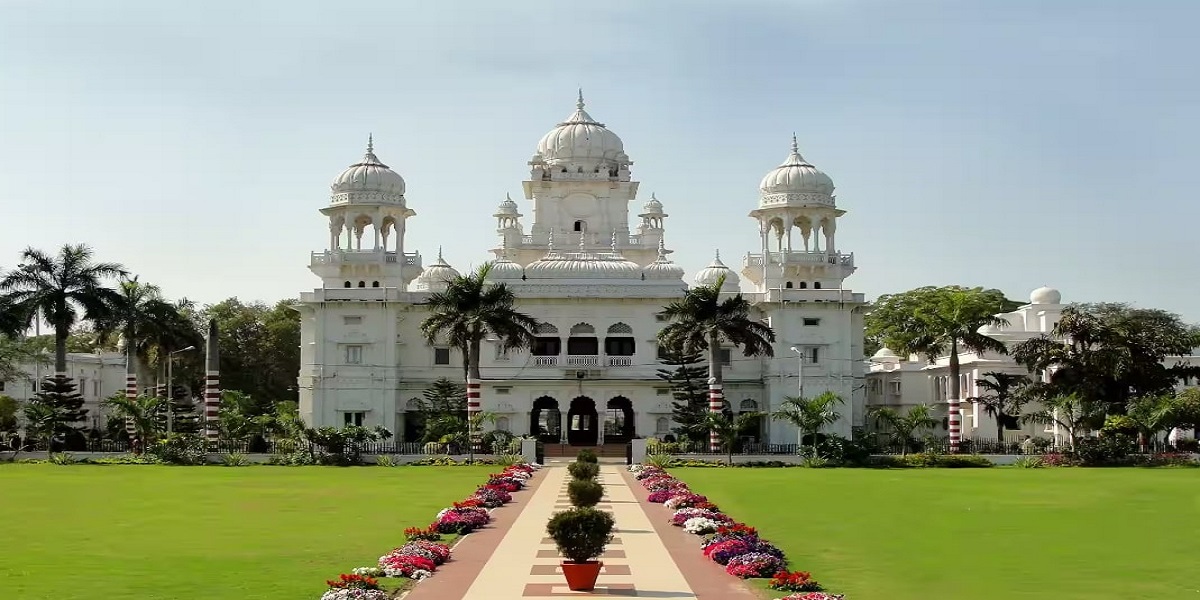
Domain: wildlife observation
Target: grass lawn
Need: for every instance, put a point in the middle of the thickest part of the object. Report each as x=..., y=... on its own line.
x=988, y=534
x=139, y=532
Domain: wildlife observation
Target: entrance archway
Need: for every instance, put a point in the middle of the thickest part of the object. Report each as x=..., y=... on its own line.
x=545, y=420
x=618, y=420
x=582, y=429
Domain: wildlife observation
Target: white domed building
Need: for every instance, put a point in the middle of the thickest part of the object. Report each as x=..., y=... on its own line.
x=596, y=282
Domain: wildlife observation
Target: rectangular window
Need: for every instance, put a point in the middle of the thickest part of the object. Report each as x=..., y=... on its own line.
x=662, y=352
x=662, y=391
x=547, y=346
x=83, y=386
x=96, y=388
x=895, y=388
x=726, y=356
x=503, y=391
x=354, y=355
x=660, y=318
x=353, y=418
x=441, y=356
x=583, y=346
x=1, y=386
x=501, y=353
x=814, y=355
x=618, y=346
x=352, y=320
x=810, y=322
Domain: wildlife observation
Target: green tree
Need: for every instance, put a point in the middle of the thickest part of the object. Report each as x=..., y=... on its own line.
x=444, y=397
x=142, y=412
x=41, y=420
x=940, y=321
x=58, y=393
x=9, y=408
x=15, y=355
x=1112, y=353
x=702, y=320
x=63, y=289
x=729, y=430
x=1006, y=394
x=260, y=349
x=809, y=415
x=152, y=326
x=689, y=392
x=903, y=427
x=1073, y=414
x=472, y=308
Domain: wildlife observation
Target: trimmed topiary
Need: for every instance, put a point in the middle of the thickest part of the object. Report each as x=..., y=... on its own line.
x=587, y=456
x=583, y=470
x=581, y=533
x=585, y=492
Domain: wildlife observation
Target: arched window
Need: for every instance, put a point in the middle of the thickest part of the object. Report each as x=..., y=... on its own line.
x=748, y=405
x=804, y=285
x=583, y=341
x=374, y=284
x=816, y=285
x=362, y=284
x=546, y=342
x=620, y=329
x=788, y=285
x=620, y=340
x=582, y=329
x=413, y=405
x=545, y=328
x=502, y=424
x=347, y=284
x=580, y=226
x=662, y=425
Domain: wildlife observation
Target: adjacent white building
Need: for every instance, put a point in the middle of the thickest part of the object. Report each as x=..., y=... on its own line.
x=903, y=383
x=596, y=276
x=97, y=377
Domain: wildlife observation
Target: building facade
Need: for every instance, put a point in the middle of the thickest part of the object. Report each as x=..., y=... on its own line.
x=903, y=383
x=595, y=275
x=97, y=377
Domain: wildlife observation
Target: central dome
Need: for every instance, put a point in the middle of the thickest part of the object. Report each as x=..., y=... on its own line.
x=796, y=176
x=369, y=176
x=581, y=141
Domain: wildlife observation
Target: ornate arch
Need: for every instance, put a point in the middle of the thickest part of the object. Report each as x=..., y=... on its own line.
x=413, y=405
x=620, y=329
x=545, y=328
x=582, y=329
x=748, y=405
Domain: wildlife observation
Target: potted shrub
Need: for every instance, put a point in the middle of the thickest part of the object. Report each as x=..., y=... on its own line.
x=583, y=470
x=586, y=455
x=585, y=492
x=581, y=535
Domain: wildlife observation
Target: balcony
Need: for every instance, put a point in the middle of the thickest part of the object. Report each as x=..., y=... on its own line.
x=802, y=258
x=333, y=257
x=620, y=361
x=545, y=361
x=583, y=361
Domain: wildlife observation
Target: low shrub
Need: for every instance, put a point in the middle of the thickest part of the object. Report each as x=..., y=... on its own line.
x=587, y=456
x=581, y=533
x=63, y=458
x=585, y=492
x=508, y=460
x=1029, y=462
x=583, y=470
x=963, y=461
x=180, y=449
x=386, y=460
x=662, y=461
x=1170, y=459
x=234, y=459
x=795, y=581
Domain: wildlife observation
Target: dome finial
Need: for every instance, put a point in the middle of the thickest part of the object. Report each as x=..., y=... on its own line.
x=440, y=254
x=370, y=143
x=662, y=247
x=579, y=102
x=614, y=241
x=718, y=254
x=582, y=240
x=652, y=197
x=795, y=144
x=508, y=196
x=550, y=242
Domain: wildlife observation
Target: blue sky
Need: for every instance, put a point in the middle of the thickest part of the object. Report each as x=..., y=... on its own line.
x=1006, y=144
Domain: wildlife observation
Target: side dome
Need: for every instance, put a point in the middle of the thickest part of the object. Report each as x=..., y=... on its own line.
x=652, y=206
x=1045, y=295
x=797, y=176
x=505, y=270
x=662, y=268
x=712, y=273
x=581, y=141
x=435, y=277
x=366, y=177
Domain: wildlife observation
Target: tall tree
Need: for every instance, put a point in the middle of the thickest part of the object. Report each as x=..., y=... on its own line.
x=1112, y=353
x=689, y=392
x=65, y=405
x=1073, y=414
x=1005, y=394
x=702, y=320
x=15, y=357
x=728, y=429
x=142, y=412
x=63, y=289
x=903, y=427
x=940, y=321
x=470, y=309
x=809, y=415
x=260, y=349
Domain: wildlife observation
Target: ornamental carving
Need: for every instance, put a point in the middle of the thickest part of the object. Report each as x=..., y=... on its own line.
x=796, y=199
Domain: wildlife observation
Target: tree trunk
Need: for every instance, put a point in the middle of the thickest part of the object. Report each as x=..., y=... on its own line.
x=955, y=394
x=999, y=428
x=62, y=331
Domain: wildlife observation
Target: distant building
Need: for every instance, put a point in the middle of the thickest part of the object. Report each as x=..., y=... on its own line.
x=98, y=376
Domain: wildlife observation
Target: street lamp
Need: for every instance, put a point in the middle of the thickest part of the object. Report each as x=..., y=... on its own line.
x=170, y=392
x=800, y=372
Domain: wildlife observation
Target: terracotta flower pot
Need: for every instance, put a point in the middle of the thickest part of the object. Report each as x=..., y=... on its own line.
x=581, y=576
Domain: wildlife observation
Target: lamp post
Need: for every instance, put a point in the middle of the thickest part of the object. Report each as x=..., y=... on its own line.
x=170, y=392
x=800, y=372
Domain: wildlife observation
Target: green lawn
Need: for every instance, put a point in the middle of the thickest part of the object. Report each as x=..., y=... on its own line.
x=921, y=534
x=207, y=533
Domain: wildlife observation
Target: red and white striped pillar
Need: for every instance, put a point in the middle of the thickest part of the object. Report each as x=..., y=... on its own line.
x=715, y=404
x=131, y=387
x=212, y=385
x=474, y=405
x=955, y=425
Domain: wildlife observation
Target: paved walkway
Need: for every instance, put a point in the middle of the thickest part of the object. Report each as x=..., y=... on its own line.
x=513, y=559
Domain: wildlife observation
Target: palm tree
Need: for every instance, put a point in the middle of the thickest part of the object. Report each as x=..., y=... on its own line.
x=152, y=325
x=903, y=426
x=469, y=310
x=64, y=289
x=702, y=320
x=141, y=412
x=728, y=430
x=809, y=415
x=1005, y=398
x=1152, y=415
x=1072, y=413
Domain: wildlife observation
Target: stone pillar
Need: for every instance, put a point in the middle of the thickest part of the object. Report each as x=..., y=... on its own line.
x=529, y=450
x=639, y=451
x=715, y=405
x=212, y=385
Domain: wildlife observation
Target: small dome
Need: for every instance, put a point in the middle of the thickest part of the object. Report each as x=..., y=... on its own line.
x=507, y=208
x=662, y=267
x=796, y=176
x=1045, y=295
x=368, y=175
x=581, y=141
x=885, y=356
x=710, y=274
x=435, y=277
x=652, y=206
x=504, y=269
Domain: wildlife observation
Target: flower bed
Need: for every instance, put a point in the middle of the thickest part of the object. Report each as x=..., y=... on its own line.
x=724, y=541
x=423, y=553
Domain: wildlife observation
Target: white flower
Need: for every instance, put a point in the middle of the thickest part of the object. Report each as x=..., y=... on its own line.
x=700, y=525
x=420, y=574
